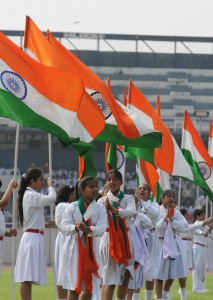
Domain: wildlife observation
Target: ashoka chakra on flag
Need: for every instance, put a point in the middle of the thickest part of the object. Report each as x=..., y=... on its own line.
x=14, y=83
x=205, y=169
x=96, y=96
x=120, y=158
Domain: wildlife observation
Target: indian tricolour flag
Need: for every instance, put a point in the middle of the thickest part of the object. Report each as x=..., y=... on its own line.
x=210, y=142
x=197, y=157
x=51, y=52
x=169, y=157
x=115, y=158
x=39, y=96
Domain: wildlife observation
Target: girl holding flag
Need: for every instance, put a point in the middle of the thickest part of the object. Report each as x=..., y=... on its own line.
x=115, y=246
x=31, y=262
x=83, y=221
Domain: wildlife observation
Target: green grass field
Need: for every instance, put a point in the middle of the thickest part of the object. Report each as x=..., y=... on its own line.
x=47, y=292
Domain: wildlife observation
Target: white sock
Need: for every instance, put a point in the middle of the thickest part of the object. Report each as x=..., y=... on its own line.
x=148, y=294
x=182, y=293
x=119, y=299
x=166, y=295
x=135, y=296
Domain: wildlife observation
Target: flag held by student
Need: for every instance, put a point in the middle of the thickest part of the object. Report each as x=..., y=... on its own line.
x=197, y=157
x=38, y=47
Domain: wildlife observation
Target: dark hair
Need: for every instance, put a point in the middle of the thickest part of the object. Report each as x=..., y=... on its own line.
x=63, y=193
x=116, y=173
x=32, y=174
x=183, y=211
x=81, y=184
x=144, y=183
x=0, y=183
x=166, y=192
x=198, y=212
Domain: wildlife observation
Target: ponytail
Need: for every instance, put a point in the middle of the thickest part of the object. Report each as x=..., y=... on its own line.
x=32, y=174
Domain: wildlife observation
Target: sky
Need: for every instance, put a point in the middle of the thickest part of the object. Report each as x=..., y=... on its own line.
x=152, y=17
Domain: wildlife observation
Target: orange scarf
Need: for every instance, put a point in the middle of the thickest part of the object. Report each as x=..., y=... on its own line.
x=87, y=264
x=119, y=246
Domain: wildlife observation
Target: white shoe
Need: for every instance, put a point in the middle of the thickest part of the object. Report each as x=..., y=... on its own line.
x=200, y=291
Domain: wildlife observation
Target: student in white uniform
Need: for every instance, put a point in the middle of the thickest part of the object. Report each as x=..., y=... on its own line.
x=83, y=222
x=170, y=259
x=31, y=262
x=65, y=195
x=187, y=238
x=3, y=202
x=199, y=249
x=140, y=222
x=152, y=210
x=115, y=246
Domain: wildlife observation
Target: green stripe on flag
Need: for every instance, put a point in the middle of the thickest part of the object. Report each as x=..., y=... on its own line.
x=13, y=108
x=198, y=178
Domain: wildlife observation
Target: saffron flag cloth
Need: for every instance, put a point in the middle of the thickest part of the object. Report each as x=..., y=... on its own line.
x=210, y=142
x=147, y=173
x=49, y=93
x=38, y=47
x=169, y=157
x=93, y=82
x=197, y=157
x=54, y=54
x=86, y=166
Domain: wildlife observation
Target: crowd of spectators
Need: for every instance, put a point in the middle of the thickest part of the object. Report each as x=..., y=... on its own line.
x=62, y=175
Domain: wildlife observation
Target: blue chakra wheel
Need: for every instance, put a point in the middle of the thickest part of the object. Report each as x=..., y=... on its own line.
x=120, y=158
x=205, y=169
x=14, y=83
x=96, y=96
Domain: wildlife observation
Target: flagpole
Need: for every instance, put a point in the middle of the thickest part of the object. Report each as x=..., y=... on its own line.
x=14, y=206
x=51, y=214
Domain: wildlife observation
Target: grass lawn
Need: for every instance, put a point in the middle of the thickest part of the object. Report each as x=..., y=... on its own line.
x=47, y=292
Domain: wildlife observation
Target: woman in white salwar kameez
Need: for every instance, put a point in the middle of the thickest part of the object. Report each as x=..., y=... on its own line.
x=170, y=259
x=116, y=246
x=83, y=222
x=140, y=222
x=31, y=262
x=65, y=195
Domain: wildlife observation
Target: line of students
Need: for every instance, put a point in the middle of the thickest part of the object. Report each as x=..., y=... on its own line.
x=121, y=239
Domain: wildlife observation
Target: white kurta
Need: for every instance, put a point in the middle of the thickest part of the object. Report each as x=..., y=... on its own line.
x=199, y=249
x=140, y=222
x=31, y=261
x=72, y=216
x=170, y=267
x=59, y=241
x=151, y=210
x=113, y=274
